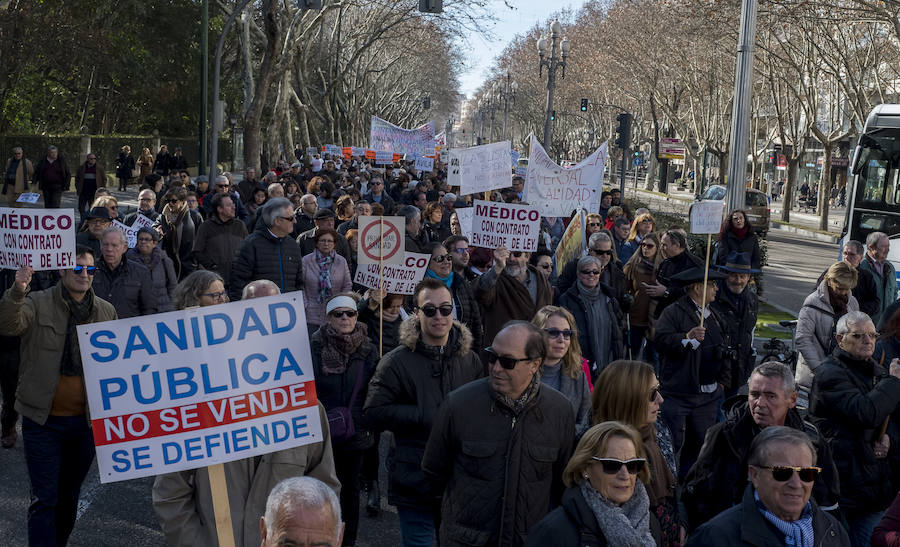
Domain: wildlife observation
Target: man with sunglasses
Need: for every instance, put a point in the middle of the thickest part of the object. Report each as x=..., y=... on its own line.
x=776, y=509
x=499, y=445
x=716, y=482
x=223, y=186
x=851, y=399
x=377, y=194
x=59, y=446
x=434, y=358
x=460, y=252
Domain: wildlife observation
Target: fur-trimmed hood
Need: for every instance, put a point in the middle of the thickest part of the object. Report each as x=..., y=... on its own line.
x=459, y=333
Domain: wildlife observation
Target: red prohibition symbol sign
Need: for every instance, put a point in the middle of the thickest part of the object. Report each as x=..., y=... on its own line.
x=382, y=243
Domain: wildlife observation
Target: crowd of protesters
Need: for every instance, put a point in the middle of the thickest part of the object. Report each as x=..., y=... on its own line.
x=612, y=398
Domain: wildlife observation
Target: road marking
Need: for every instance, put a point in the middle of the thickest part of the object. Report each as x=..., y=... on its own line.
x=784, y=267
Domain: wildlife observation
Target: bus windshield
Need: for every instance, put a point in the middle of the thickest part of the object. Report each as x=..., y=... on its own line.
x=876, y=206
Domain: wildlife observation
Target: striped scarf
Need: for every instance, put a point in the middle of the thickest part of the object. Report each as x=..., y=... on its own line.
x=798, y=533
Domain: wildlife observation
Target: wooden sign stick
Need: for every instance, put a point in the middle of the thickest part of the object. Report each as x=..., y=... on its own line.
x=221, y=507
x=705, y=276
x=381, y=288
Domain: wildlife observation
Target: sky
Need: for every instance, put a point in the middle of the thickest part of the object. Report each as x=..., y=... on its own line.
x=510, y=23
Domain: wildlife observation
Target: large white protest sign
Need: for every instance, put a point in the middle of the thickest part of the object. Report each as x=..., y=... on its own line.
x=485, y=167
x=706, y=216
x=129, y=231
x=395, y=278
x=453, y=178
x=514, y=226
x=424, y=163
x=192, y=388
x=384, y=135
x=41, y=238
x=381, y=240
x=556, y=191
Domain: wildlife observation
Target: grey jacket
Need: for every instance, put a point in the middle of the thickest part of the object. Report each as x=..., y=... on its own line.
x=578, y=393
x=815, y=333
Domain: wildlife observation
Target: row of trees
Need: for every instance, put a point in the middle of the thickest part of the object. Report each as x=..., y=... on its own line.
x=819, y=69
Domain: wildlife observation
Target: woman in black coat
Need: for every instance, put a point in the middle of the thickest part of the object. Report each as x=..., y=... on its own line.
x=737, y=235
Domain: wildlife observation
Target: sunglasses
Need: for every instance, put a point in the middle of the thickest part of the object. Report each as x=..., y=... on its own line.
x=556, y=333
x=593, y=224
x=589, y=272
x=431, y=311
x=654, y=393
x=461, y=250
x=90, y=269
x=292, y=219
x=599, y=252
x=517, y=254
x=442, y=258
x=783, y=473
x=508, y=363
x=172, y=200
x=611, y=466
x=343, y=313
x=215, y=295
x=648, y=245
x=221, y=186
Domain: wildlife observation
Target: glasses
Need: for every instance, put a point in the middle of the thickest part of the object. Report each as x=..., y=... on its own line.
x=461, y=250
x=611, y=466
x=146, y=199
x=517, y=254
x=89, y=269
x=215, y=295
x=89, y=159
x=859, y=335
x=783, y=473
x=508, y=363
x=431, y=311
x=442, y=258
x=589, y=272
x=292, y=219
x=343, y=313
x=648, y=245
x=593, y=224
x=145, y=240
x=654, y=393
x=601, y=253
x=331, y=241
x=556, y=333
x=221, y=186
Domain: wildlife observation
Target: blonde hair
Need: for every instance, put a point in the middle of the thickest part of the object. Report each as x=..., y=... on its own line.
x=843, y=273
x=595, y=442
x=104, y=201
x=638, y=255
x=571, y=361
x=632, y=233
x=621, y=392
x=614, y=212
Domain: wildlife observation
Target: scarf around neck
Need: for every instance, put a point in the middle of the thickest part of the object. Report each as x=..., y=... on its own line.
x=626, y=525
x=79, y=314
x=798, y=533
x=516, y=405
x=324, y=263
x=337, y=347
x=445, y=280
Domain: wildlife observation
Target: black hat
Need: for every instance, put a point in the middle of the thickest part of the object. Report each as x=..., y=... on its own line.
x=695, y=275
x=323, y=213
x=98, y=212
x=738, y=262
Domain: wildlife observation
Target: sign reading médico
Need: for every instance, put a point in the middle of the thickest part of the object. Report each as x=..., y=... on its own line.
x=41, y=238
x=514, y=226
x=192, y=388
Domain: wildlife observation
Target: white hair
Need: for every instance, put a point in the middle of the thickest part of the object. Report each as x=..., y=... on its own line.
x=848, y=319
x=301, y=492
x=114, y=230
x=254, y=287
x=221, y=178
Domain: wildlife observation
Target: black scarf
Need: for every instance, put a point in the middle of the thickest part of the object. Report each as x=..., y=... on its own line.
x=79, y=314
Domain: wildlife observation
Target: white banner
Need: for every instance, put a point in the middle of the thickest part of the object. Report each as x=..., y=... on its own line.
x=384, y=135
x=706, y=216
x=485, y=167
x=424, y=163
x=191, y=388
x=41, y=238
x=129, y=231
x=397, y=278
x=334, y=150
x=515, y=227
x=556, y=191
x=384, y=157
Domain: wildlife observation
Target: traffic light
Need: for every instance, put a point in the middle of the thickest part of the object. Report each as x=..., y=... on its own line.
x=309, y=4
x=623, y=140
x=553, y=115
x=431, y=6
x=584, y=105
x=427, y=103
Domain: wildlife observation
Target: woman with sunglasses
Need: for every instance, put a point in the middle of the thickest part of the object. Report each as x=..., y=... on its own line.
x=325, y=273
x=606, y=500
x=641, y=270
x=465, y=308
x=643, y=225
x=344, y=361
x=563, y=368
x=596, y=310
x=177, y=228
x=628, y=392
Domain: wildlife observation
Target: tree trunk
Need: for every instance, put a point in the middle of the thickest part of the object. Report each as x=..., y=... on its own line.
x=790, y=182
x=253, y=119
x=825, y=185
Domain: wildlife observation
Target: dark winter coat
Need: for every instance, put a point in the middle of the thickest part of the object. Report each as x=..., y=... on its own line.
x=467, y=310
x=572, y=524
x=390, y=337
x=264, y=256
x=718, y=479
x=739, y=326
x=730, y=242
x=681, y=367
x=386, y=201
x=887, y=533
x=849, y=402
x=335, y=390
x=668, y=268
x=128, y=288
x=504, y=298
x=573, y=302
x=42, y=167
x=178, y=242
x=502, y=469
x=162, y=276
x=216, y=243
x=744, y=525
x=409, y=385
x=124, y=166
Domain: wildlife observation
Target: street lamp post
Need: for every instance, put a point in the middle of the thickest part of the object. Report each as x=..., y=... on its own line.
x=481, y=107
x=552, y=63
x=492, y=100
x=507, y=94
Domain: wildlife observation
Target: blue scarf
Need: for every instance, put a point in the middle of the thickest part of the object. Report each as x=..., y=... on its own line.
x=446, y=280
x=796, y=534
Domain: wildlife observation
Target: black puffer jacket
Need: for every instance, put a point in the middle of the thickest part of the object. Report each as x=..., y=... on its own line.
x=502, y=469
x=668, y=268
x=264, y=256
x=572, y=524
x=682, y=368
x=335, y=390
x=718, y=478
x=572, y=301
x=849, y=401
x=731, y=242
x=409, y=385
x=128, y=288
x=739, y=322
x=216, y=243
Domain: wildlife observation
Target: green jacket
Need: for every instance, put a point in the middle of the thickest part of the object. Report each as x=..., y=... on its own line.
x=40, y=318
x=886, y=285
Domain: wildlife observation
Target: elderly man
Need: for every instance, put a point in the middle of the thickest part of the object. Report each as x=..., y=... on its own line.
x=851, y=399
x=124, y=283
x=716, y=482
x=268, y=253
x=776, y=509
x=360, y=209
x=504, y=437
x=302, y=511
x=377, y=194
x=274, y=190
x=738, y=307
x=306, y=214
x=59, y=446
x=53, y=177
x=88, y=177
x=223, y=186
x=413, y=242
x=16, y=175
x=866, y=290
x=324, y=221
x=434, y=358
x=218, y=239
x=146, y=208
x=511, y=289
x=247, y=185
x=882, y=270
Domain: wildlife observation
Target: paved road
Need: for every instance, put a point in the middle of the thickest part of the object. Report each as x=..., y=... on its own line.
x=795, y=263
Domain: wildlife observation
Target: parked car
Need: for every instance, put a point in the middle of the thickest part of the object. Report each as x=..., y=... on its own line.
x=757, y=206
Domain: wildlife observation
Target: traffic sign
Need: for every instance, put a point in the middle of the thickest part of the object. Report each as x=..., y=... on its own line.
x=381, y=240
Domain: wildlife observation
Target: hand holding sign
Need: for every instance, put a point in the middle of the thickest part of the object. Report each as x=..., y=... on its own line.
x=501, y=254
x=23, y=278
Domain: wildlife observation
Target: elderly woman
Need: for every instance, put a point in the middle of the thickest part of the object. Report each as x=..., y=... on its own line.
x=200, y=288
x=628, y=392
x=640, y=271
x=343, y=363
x=177, y=229
x=595, y=309
x=563, y=368
x=605, y=500
x=817, y=320
x=325, y=273
x=111, y=204
x=162, y=270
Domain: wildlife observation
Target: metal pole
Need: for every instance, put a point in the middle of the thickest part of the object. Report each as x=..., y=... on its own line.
x=204, y=85
x=491, y=130
x=622, y=174
x=740, y=112
x=551, y=83
x=505, y=116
